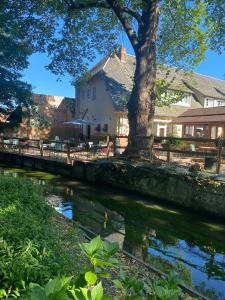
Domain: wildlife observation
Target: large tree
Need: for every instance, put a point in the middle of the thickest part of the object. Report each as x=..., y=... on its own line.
x=14, y=52
x=172, y=32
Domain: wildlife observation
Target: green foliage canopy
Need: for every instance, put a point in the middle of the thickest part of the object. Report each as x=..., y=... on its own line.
x=72, y=32
x=14, y=51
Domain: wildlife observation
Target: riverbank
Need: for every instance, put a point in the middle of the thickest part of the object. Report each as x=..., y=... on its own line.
x=39, y=244
x=36, y=243
x=203, y=193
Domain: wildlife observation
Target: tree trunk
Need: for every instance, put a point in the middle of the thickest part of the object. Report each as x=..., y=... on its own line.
x=141, y=106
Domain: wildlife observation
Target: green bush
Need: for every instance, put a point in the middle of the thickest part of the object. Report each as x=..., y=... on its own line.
x=24, y=212
x=176, y=144
x=33, y=248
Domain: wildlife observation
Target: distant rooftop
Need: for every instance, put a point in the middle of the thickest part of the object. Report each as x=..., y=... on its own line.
x=202, y=116
x=118, y=71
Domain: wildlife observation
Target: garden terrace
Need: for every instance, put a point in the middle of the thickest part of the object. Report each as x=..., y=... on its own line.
x=186, y=151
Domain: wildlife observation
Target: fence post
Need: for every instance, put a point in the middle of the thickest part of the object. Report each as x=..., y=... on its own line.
x=68, y=153
x=220, y=150
x=168, y=154
x=41, y=147
x=108, y=149
x=19, y=147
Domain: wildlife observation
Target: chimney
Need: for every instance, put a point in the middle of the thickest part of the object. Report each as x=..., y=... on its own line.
x=122, y=54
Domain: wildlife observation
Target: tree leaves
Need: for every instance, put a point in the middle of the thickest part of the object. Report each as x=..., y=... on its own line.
x=14, y=51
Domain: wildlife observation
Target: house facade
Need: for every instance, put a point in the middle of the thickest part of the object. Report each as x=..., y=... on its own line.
x=44, y=119
x=102, y=97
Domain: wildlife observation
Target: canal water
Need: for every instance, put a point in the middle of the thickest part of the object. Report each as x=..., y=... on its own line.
x=163, y=236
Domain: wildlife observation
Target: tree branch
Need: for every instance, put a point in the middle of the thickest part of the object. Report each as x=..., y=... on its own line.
x=90, y=4
x=118, y=9
x=103, y=4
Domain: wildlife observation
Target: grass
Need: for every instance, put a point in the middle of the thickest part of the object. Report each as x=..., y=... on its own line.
x=36, y=244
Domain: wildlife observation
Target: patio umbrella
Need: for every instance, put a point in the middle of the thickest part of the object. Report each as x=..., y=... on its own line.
x=80, y=122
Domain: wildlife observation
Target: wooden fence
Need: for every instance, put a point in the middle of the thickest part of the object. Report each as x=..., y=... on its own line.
x=105, y=146
x=182, y=147
x=51, y=148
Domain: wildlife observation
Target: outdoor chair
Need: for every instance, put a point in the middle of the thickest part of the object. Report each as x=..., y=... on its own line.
x=15, y=143
x=192, y=147
x=52, y=146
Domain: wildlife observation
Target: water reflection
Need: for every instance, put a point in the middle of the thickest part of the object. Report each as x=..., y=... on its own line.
x=159, y=234
x=175, y=237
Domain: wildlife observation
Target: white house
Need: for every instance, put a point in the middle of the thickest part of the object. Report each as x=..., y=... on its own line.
x=101, y=98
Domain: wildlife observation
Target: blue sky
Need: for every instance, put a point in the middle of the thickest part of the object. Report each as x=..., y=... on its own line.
x=44, y=82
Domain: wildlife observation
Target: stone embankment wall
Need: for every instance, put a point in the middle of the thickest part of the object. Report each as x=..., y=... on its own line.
x=199, y=192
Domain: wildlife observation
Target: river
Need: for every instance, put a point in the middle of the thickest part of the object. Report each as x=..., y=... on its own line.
x=163, y=236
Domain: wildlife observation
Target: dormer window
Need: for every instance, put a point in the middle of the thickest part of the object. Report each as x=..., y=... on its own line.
x=213, y=103
x=185, y=101
x=220, y=103
x=209, y=103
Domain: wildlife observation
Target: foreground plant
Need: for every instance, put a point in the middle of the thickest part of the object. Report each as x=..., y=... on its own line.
x=38, y=263
x=89, y=286
x=20, y=266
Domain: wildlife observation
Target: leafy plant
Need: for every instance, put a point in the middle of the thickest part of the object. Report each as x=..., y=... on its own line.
x=166, y=289
x=56, y=289
x=100, y=255
x=20, y=266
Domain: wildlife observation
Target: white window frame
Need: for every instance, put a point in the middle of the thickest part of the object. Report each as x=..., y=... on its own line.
x=161, y=126
x=186, y=101
x=220, y=103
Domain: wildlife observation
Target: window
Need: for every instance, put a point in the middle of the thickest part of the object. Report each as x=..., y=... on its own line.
x=220, y=132
x=213, y=132
x=98, y=128
x=161, y=129
x=189, y=130
x=94, y=93
x=186, y=101
x=201, y=131
x=220, y=103
x=209, y=103
x=105, y=128
x=88, y=93
x=83, y=94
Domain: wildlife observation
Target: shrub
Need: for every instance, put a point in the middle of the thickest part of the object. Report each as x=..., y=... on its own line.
x=101, y=258
x=175, y=143
x=33, y=246
x=20, y=265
